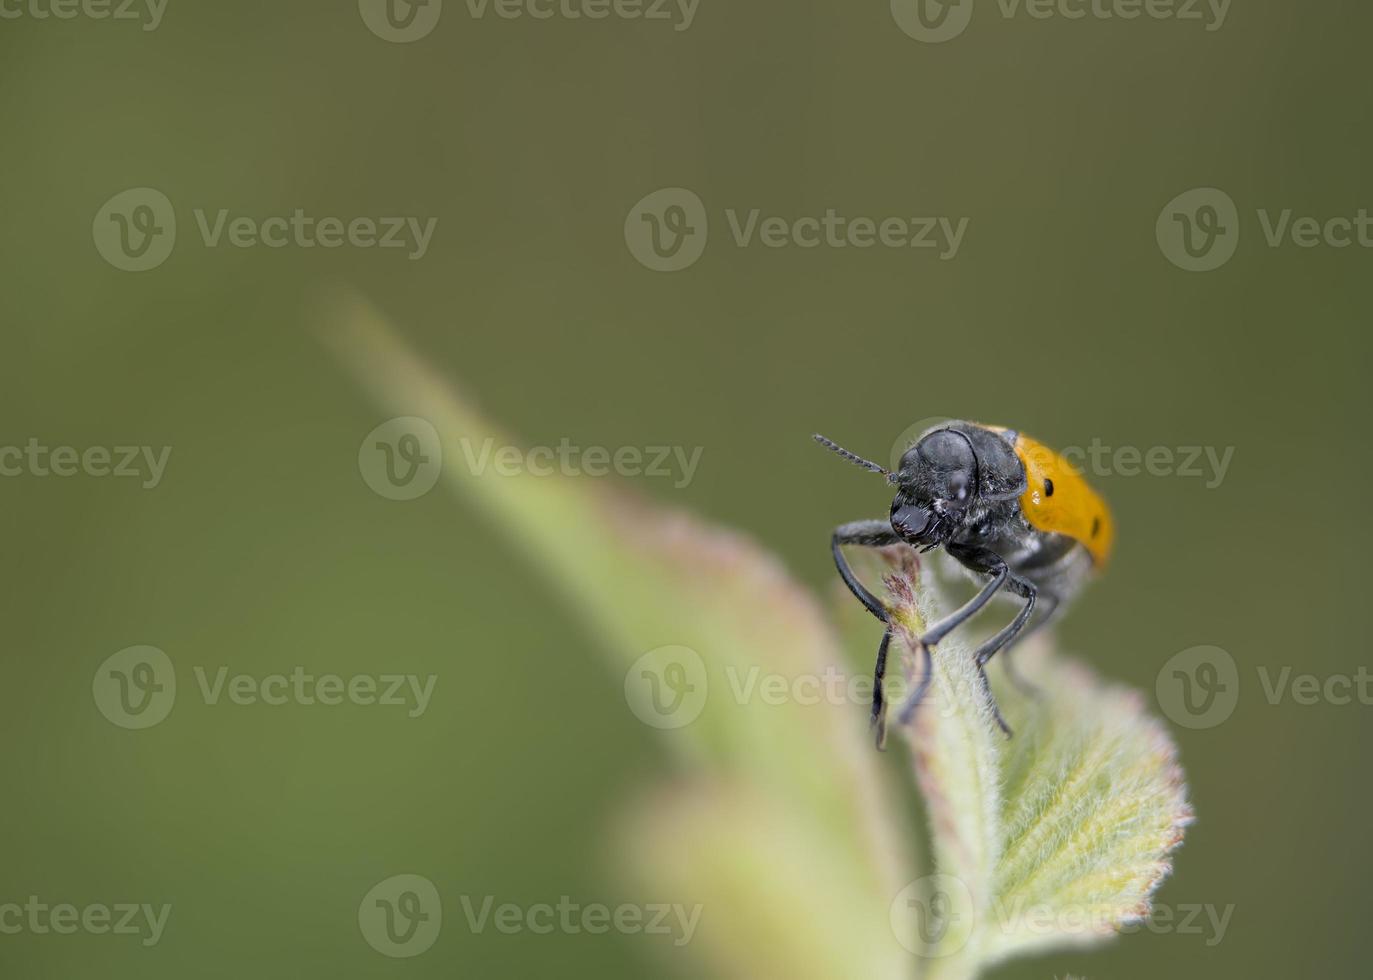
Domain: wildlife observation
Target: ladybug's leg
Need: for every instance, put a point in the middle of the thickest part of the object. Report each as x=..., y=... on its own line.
x=869, y=534
x=1023, y=588
x=979, y=560
x=918, y=695
x=1048, y=608
x=878, y=720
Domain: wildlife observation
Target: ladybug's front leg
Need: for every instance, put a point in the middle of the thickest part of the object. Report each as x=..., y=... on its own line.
x=868, y=534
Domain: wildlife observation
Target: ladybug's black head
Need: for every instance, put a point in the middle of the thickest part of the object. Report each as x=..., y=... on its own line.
x=951, y=480
x=936, y=483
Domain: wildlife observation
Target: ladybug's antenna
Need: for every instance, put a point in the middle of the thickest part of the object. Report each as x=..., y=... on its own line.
x=854, y=458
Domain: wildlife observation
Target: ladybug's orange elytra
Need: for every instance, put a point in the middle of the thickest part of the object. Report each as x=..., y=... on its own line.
x=1057, y=499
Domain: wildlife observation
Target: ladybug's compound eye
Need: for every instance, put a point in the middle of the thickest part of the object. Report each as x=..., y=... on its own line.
x=942, y=467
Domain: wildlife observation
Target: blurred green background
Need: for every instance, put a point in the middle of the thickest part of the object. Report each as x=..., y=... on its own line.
x=530, y=141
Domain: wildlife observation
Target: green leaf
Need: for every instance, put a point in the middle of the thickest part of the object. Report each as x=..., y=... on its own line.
x=1055, y=837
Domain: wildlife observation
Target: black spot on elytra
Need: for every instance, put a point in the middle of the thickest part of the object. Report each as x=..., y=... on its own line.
x=1096, y=525
x=1048, y=487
